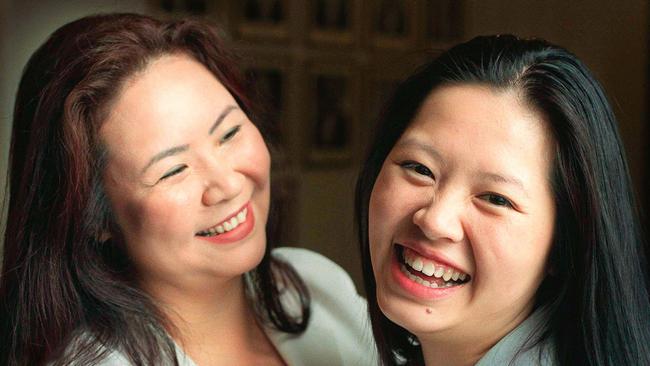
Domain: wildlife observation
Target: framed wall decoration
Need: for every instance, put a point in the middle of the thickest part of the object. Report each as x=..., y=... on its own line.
x=443, y=21
x=392, y=24
x=334, y=21
x=268, y=78
x=263, y=19
x=184, y=7
x=332, y=122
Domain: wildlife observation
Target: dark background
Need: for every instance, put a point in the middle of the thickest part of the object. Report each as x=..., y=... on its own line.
x=303, y=52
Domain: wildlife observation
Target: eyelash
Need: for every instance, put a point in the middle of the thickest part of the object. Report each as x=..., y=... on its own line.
x=225, y=138
x=230, y=134
x=502, y=201
x=174, y=171
x=492, y=198
x=417, y=168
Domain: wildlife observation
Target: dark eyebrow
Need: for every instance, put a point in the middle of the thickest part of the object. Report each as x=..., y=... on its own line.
x=178, y=149
x=493, y=177
x=221, y=117
x=415, y=143
x=497, y=178
x=163, y=154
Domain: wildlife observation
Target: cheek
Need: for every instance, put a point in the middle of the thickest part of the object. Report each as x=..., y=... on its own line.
x=158, y=215
x=254, y=159
x=513, y=253
x=379, y=213
x=393, y=203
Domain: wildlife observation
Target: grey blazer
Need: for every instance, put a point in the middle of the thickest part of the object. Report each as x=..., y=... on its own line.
x=511, y=350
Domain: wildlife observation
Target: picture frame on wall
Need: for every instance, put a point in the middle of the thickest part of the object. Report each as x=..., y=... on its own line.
x=443, y=21
x=392, y=24
x=333, y=21
x=332, y=128
x=184, y=7
x=263, y=19
x=267, y=78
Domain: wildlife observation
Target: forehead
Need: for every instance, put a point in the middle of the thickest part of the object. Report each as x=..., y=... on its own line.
x=469, y=110
x=493, y=127
x=173, y=98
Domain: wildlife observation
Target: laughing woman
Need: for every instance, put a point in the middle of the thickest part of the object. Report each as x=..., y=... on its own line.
x=137, y=230
x=496, y=219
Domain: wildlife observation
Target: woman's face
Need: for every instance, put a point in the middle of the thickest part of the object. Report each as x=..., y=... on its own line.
x=187, y=175
x=461, y=215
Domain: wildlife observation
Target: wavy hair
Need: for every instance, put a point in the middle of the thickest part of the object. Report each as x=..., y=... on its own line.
x=60, y=283
x=597, y=294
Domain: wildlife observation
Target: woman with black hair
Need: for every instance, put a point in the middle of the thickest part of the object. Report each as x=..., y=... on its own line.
x=496, y=217
x=137, y=229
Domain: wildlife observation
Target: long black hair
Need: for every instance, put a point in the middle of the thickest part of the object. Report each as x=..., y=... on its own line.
x=597, y=294
x=60, y=283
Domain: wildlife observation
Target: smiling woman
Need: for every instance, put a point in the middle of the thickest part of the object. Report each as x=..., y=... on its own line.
x=137, y=230
x=496, y=219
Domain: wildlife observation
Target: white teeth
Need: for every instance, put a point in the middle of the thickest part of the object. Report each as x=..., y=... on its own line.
x=228, y=225
x=439, y=271
x=447, y=275
x=417, y=264
x=428, y=269
x=455, y=276
x=418, y=279
x=241, y=217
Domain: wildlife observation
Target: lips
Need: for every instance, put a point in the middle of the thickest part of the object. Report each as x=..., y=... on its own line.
x=408, y=269
x=232, y=229
x=432, y=272
x=231, y=223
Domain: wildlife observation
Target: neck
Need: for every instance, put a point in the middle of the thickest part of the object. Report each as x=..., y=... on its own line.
x=451, y=353
x=464, y=347
x=217, y=323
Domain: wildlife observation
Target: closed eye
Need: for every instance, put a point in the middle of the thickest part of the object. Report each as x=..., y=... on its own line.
x=230, y=134
x=497, y=200
x=417, y=168
x=176, y=170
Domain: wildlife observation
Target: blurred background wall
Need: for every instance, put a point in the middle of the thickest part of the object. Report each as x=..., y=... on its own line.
x=327, y=65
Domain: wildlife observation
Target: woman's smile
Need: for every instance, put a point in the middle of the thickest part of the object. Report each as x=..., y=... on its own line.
x=423, y=277
x=231, y=230
x=182, y=181
x=461, y=215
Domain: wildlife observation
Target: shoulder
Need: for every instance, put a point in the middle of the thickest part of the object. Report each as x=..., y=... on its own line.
x=321, y=275
x=516, y=348
x=83, y=349
x=97, y=354
x=301, y=257
x=339, y=328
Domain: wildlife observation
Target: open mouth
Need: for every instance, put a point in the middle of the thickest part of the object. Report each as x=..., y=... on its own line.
x=426, y=271
x=229, y=224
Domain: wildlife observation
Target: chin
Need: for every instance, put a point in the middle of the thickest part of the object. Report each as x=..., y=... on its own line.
x=414, y=317
x=252, y=256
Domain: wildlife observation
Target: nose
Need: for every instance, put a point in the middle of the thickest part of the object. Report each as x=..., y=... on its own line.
x=222, y=183
x=440, y=219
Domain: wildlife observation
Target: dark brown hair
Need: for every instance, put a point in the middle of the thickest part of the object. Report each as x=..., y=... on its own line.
x=60, y=283
x=597, y=296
